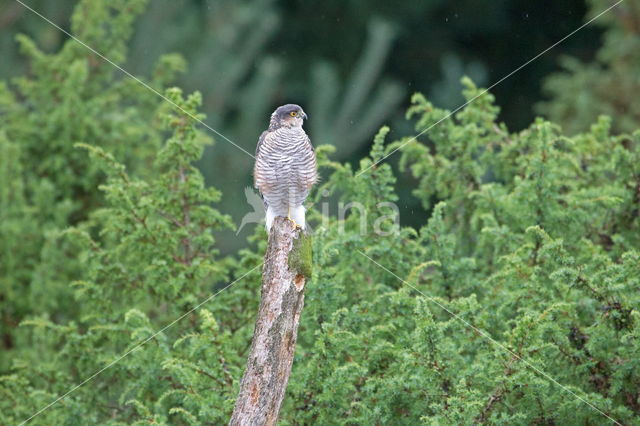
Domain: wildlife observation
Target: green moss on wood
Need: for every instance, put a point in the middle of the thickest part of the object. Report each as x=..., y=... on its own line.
x=300, y=259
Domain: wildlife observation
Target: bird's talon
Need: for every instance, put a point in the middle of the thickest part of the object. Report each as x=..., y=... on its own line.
x=295, y=225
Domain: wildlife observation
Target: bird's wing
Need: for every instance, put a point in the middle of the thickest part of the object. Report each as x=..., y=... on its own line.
x=260, y=141
x=261, y=169
x=309, y=175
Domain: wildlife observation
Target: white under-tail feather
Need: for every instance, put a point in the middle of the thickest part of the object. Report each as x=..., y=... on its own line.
x=297, y=215
x=269, y=219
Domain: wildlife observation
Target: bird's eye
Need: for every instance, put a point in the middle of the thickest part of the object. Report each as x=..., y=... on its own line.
x=293, y=113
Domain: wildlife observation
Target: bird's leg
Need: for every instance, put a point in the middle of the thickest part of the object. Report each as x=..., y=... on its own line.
x=295, y=225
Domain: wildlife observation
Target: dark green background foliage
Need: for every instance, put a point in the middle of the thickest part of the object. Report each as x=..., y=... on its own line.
x=109, y=234
x=354, y=64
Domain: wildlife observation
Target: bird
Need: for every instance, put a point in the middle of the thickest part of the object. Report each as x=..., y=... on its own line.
x=285, y=167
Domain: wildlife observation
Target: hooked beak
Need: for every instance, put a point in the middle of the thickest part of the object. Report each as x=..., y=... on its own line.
x=304, y=115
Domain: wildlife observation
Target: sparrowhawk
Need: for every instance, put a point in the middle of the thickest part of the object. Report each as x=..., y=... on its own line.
x=285, y=168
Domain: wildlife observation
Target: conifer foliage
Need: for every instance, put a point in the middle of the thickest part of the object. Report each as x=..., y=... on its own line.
x=516, y=301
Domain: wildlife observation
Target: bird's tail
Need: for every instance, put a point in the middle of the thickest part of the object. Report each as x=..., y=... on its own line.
x=271, y=214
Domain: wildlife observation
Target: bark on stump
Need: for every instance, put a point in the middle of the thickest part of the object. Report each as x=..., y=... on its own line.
x=286, y=268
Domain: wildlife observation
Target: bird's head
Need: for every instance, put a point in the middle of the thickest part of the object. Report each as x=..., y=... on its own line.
x=289, y=115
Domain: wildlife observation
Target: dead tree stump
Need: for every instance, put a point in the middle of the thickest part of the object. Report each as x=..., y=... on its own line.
x=287, y=266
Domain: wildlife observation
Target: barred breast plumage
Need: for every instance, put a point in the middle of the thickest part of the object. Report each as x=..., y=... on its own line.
x=285, y=168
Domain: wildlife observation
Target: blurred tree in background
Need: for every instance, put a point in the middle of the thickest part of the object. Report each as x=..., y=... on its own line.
x=606, y=86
